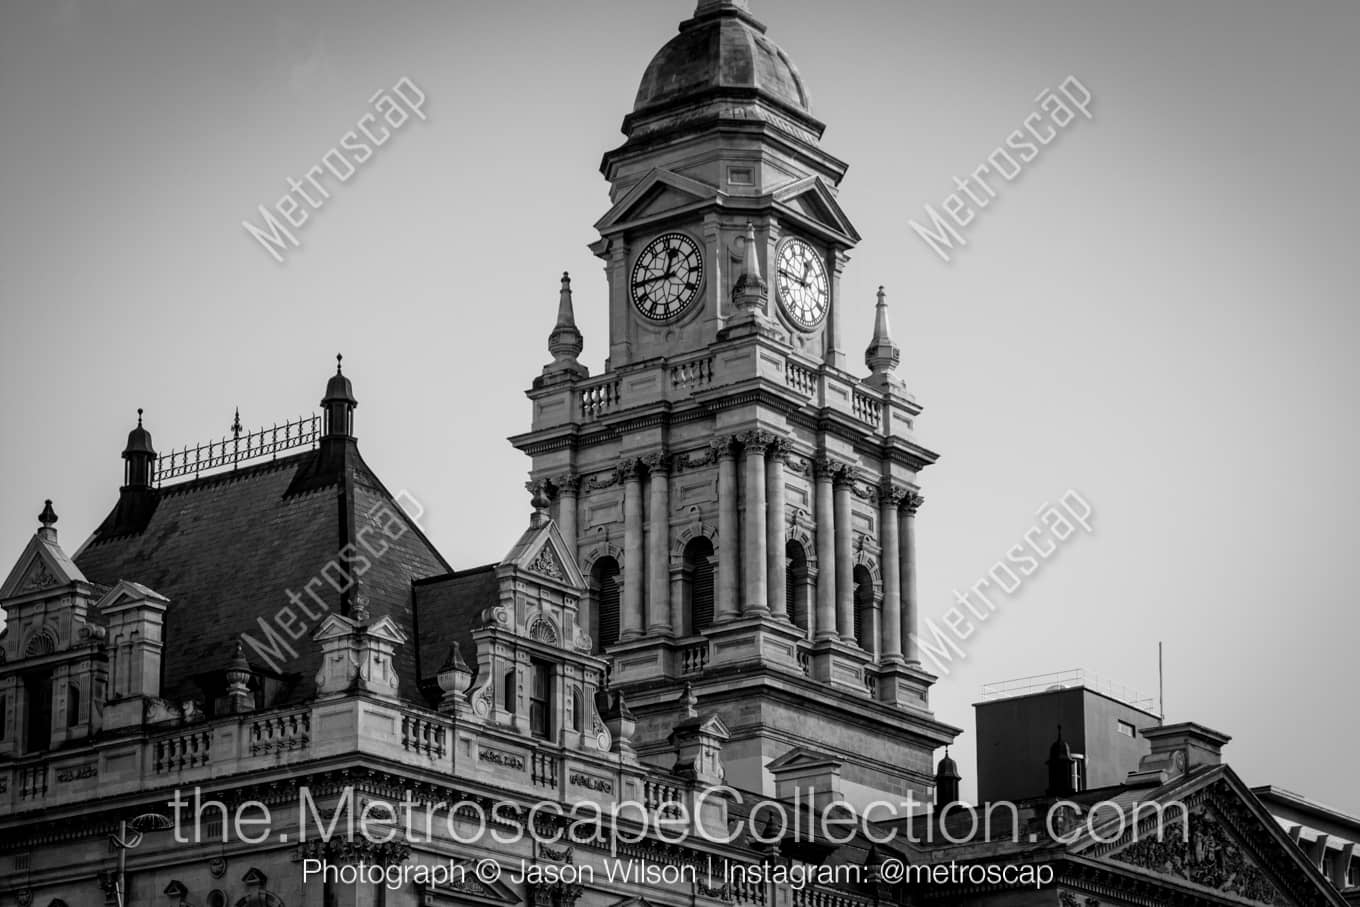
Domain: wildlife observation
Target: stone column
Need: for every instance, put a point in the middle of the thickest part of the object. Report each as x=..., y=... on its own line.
x=753, y=562
x=845, y=565
x=775, y=543
x=907, y=554
x=634, y=576
x=824, y=470
x=890, y=639
x=729, y=558
x=658, y=548
x=568, y=495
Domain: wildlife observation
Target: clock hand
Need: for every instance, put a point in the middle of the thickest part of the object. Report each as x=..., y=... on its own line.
x=651, y=280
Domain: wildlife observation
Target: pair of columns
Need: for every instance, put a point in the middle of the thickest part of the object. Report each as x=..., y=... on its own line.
x=755, y=583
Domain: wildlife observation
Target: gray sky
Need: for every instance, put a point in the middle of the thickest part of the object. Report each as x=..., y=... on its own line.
x=1159, y=313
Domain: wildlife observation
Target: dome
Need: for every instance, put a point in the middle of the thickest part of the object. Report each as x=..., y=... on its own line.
x=948, y=768
x=338, y=389
x=722, y=50
x=139, y=440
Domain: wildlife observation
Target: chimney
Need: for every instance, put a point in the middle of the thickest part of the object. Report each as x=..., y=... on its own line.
x=1179, y=748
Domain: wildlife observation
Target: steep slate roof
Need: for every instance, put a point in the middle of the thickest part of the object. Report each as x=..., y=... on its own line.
x=227, y=550
x=448, y=608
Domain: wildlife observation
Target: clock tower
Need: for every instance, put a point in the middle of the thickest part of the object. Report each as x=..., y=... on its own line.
x=742, y=504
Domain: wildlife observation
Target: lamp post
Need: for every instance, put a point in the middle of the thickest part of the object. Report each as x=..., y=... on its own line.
x=130, y=836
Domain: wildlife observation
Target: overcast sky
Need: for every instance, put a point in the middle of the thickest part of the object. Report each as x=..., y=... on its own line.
x=1160, y=312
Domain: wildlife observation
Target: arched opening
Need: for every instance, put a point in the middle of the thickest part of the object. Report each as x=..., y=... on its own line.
x=508, y=692
x=604, y=594
x=865, y=616
x=698, y=585
x=798, y=587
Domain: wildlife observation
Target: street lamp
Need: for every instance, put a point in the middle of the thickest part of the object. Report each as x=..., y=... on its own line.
x=129, y=835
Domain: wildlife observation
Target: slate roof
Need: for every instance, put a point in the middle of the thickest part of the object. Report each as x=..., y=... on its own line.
x=448, y=608
x=228, y=549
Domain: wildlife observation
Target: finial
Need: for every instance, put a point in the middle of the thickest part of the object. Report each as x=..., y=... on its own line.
x=750, y=291
x=236, y=425
x=48, y=518
x=339, y=359
x=538, y=492
x=689, y=701
x=565, y=342
x=358, y=610
x=883, y=354
x=139, y=417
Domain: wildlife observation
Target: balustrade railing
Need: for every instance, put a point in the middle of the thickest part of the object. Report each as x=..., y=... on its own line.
x=692, y=375
x=599, y=399
x=280, y=733
x=421, y=735
x=33, y=781
x=187, y=750
x=868, y=410
x=661, y=798
x=800, y=378
x=693, y=659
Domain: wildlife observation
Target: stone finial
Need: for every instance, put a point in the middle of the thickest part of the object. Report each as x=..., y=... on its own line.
x=48, y=519
x=883, y=355
x=454, y=679
x=689, y=701
x=358, y=609
x=619, y=720
x=751, y=290
x=538, y=492
x=565, y=343
x=238, y=672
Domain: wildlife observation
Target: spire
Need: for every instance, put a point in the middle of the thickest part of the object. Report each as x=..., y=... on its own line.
x=48, y=518
x=565, y=342
x=883, y=355
x=750, y=291
x=946, y=781
x=338, y=404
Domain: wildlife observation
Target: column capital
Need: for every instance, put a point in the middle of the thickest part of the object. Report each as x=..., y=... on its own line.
x=630, y=470
x=658, y=463
x=824, y=467
x=537, y=487
x=845, y=476
x=779, y=449
x=568, y=483
x=891, y=495
x=757, y=441
x=722, y=447
x=911, y=502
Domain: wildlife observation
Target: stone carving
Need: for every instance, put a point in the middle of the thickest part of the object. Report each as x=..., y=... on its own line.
x=657, y=464
x=504, y=760
x=40, y=578
x=545, y=563
x=542, y=630
x=77, y=772
x=912, y=502
x=630, y=471
x=602, y=481
x=1210, y=857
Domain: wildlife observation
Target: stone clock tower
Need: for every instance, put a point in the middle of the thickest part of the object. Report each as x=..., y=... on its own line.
x=742, y=504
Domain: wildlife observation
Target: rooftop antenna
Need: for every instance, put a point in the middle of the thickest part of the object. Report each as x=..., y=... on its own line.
x=1161, y=684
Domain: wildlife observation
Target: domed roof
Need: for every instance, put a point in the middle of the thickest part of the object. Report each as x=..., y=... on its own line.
x=948, y=768
x=338, y=389
x=1059, y=751
x=139, y=440
x=722, y=49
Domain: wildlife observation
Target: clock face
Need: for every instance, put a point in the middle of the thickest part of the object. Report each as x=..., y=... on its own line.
x=666, y=277
x=802, y=284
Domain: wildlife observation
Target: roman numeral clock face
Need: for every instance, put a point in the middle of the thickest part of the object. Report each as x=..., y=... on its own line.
x=666, y=277
x=802, y=284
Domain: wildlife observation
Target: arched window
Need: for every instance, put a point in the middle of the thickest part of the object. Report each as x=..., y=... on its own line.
x=577, y=710
x=604, y=616
x=698, y=584
x=72, y=705
x=864, y=609
x=798, y=586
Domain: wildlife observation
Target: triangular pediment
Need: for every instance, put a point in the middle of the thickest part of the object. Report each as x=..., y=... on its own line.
x=130, y=593
x=802, y=757
x=542, y=552
x=464, y=885
x=42, y=566
x=1233, y=846
x=660, y=192
x=811, y=201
